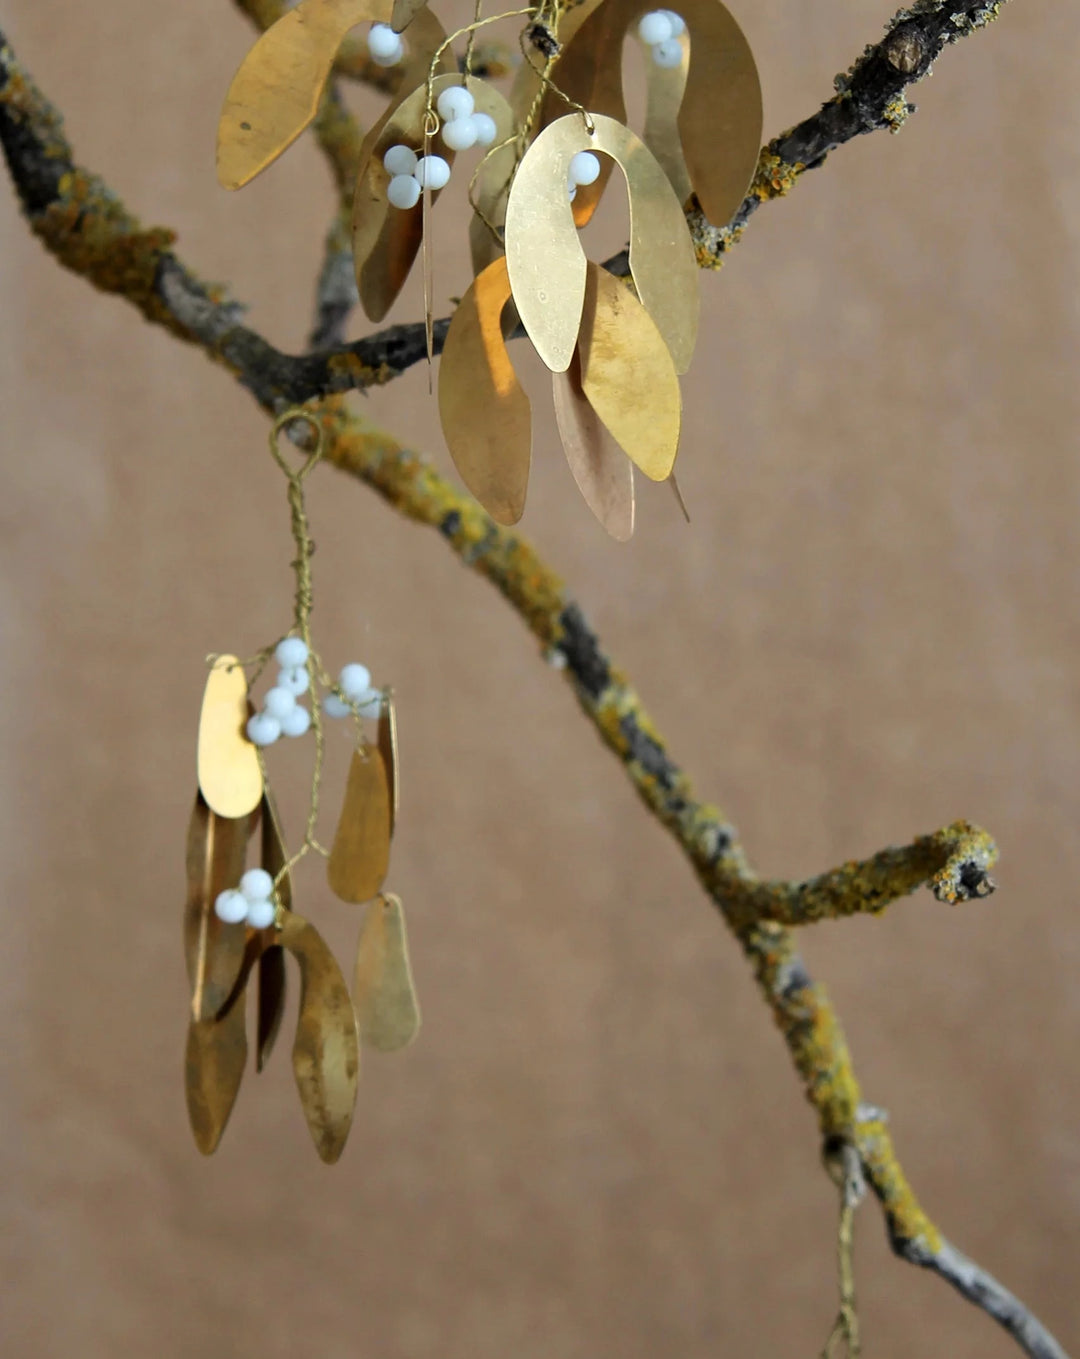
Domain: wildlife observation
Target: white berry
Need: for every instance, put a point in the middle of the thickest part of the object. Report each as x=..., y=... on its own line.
x=459, y=133
x=399, y=160
x=291, y=652
x=354, y=680
x=403, y=191
x=455, y=102
x=256, y=884
x=260, y=914
x=654, y=27
x=296, y=680
x=278, y=702
x=678, y=23
x=384, y=45
x=296, y=723
x=432, y=172
x=668, y=54
x=486, y=129
x=263, y=730
x=571, y=191
x=230, y=906
x=369, y=704
x=584, y=168
x=335, y=707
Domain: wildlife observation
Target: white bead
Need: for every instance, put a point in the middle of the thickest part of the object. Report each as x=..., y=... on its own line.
x=296, y=681
x=486, y=130
x=230, y=906
x=455, y=102
x=460, y=133
x=263, y=730
x=354, y=680
x=278, y=702
x=334, y=707
x=403, y=191
x=383, y=42
x=668, y=54
x=291, y=652
x=256, y=884
x=655, y=27
x=296, y=723
x=584, y=168
x=369, y=704
x=678, y=23
x=571, y=191
x=399, y=160
x=260, y=914
x=432, y=172
x=392, y=58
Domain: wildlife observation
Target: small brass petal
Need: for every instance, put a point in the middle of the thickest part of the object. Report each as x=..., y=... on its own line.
x=216, y=851
x=360, y=854
x=663, y=98
x=213, y=1070
x=405, y=11
x=388, y=749
x=326, y=1051
x=271, y=1002
x=628, y=376
x=228, y=764
x=491, y=185
x=485, y=413
x=274, y=854
x=604, y=474
x=276, y=92
x=386, y=1006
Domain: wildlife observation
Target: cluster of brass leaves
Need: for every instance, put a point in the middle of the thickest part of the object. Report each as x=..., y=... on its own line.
x=232, y=803
x=615, y=349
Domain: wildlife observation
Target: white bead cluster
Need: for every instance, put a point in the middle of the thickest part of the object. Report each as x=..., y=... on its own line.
x=661, y=29
x=584, y=168
x=355, y=683
x=385, y=45
x=252, y=901
x=462, y=127
x=281, y=714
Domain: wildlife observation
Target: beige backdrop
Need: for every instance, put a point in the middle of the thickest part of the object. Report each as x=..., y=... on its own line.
x=598, y=1147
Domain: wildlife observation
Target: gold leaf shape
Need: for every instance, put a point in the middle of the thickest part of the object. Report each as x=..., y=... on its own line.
x=664, y=88
x=388, y=749
x=275, y=94
x=274, y=855
x=213, y=1070
x=326, y=1051
x=229, y=774
x=628, y=376
x=271, y=1004
x=405, y=11
x=604, y=474
x=544, y=257
x=485, y=413
x=386, y=1007
x=216, y=851
x=360, y=854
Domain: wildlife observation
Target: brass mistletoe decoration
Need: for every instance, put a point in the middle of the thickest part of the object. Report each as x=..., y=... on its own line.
x=616, y=348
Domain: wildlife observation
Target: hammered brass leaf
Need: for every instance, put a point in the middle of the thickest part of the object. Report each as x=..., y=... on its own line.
x=271, y=994
x=405, y=11
x=603, y=472
x=360, y=854
x=228, y=764
x=326, y=1051
x=387, y=1010
x=388, y=749
x=275, y=94
x=213, y=1070
x=628, y=376
x=486, y=418
x=664, y=89
x=548, y=283
x=216, y=851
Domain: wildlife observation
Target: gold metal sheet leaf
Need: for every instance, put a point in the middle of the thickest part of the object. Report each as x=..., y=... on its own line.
x=404, y=12
x=486, y=417
x=628, y=376
x=664, y=88
x=326, y=1051
x=492, y=185
x=213, y=1069
x=228, y=764
x=388, y=749
x=271, y=1002
x=360, y=855
x=216, y=850
x=275, y=94
x=274, y=854
x=387, y=1010
x=603, y=472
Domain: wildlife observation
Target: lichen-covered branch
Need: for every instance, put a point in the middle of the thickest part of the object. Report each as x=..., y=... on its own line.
x=90, y=231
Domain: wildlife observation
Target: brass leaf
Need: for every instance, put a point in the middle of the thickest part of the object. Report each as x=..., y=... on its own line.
x=275, y=94
x=628, y=376
x=216, y=850
x=228, y=764
x=213, y=1070
x=326, y=1051
x=604, y=474
x=360, y=854
x=405, y=11
x=271, y=1002
x=388, y=749
x=485, y=413
x=386, y=1007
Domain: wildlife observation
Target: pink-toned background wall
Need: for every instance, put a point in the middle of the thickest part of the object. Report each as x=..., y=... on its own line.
x=597, y=1148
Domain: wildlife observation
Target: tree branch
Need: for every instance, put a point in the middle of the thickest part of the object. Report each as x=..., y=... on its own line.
x=91, y=232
